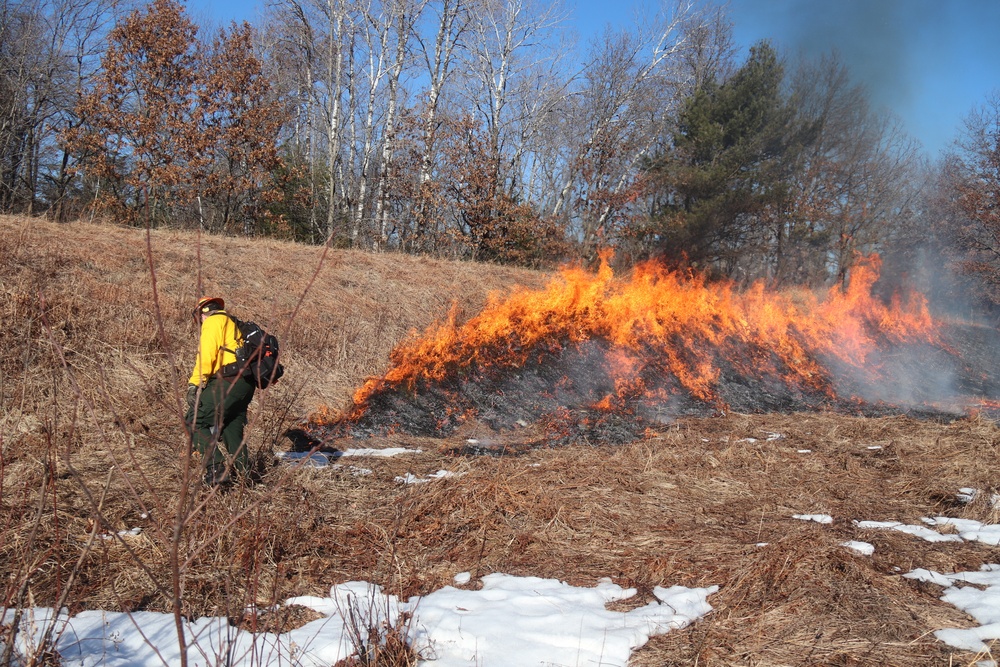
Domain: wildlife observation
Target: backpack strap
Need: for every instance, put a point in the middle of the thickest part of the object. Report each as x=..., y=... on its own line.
x=237, y=367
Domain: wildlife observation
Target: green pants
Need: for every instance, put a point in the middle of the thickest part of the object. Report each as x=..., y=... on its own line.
x=221, y=414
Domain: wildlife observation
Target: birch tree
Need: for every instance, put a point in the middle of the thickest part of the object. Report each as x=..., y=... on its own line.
x=339, y=28
x=290, y=56
x=401, y=15
x=509, y=42
x=319, y=37
x=378, y=39
x=453, y=18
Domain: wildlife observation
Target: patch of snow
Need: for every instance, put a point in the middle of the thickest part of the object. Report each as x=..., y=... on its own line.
x=131, y=532
x=917, y=531
x=313, y=459
x=967, y=494
x=410, y=478
x=982, y=605
x=532, y=621
x=863, y=548
x=510, y=621
x=970, y=530
x=323, y=459
x=818, y=518
x=388, y=452
x=929, y=576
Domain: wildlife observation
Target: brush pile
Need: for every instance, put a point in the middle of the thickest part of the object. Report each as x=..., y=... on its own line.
x=595, y=358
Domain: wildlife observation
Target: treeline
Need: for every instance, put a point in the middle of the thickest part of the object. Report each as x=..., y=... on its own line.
x=472, y=129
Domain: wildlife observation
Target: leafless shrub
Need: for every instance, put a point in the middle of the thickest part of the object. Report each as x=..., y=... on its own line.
x=377, y=634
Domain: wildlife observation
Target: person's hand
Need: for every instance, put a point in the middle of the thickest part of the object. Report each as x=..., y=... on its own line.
x=192, y=396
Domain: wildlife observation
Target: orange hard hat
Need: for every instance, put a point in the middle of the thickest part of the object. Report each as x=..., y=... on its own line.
x=207, y=304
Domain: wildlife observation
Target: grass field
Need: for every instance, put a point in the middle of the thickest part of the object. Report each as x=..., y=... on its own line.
x=95, y=322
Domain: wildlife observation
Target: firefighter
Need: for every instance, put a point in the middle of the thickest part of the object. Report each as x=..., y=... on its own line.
x=217, y=399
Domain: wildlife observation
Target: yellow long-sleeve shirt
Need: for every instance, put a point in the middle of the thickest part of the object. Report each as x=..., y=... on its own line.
x=219, y=335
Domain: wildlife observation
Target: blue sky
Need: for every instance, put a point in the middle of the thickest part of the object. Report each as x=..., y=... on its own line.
x=928, y=61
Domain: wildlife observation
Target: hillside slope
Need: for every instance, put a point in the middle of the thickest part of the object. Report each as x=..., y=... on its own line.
x=118, y=300
x=98, y=509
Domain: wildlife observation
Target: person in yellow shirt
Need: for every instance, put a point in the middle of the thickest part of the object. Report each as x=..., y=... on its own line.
x=218, y=399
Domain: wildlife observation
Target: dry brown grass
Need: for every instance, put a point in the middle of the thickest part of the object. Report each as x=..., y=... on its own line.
x=92, y=393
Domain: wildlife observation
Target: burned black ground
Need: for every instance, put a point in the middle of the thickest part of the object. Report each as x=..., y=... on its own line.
x=573, y=394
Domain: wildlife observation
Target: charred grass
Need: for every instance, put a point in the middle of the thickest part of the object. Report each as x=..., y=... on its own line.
x=97, y=508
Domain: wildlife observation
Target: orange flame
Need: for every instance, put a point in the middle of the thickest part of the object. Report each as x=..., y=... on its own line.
x=680, y=320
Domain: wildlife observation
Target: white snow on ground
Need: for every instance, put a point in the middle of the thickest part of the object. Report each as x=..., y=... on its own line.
x=314, y=459
x=982, y=604
x=552, y=623
x=410, y=478
x=917, y=531
x=323, y=459
x=387, y=452
x=968, y=530
x=967, y=495
x=509, y=621
x=863, y=548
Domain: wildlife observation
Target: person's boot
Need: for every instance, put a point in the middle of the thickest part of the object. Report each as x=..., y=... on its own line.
x=217, y=475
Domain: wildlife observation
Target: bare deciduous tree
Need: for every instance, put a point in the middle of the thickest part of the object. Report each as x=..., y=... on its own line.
x=401, y=15
x=48, y=51
x=371, y=87
x=852, y=186
x=509, y=42
x=453, y=17
x=971, y=190
x=632, y=86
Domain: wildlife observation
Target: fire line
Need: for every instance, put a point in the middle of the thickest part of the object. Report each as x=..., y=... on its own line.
x=654, y=336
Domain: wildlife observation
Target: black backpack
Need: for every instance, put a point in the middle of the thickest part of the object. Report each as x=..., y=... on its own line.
x=257, y=358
